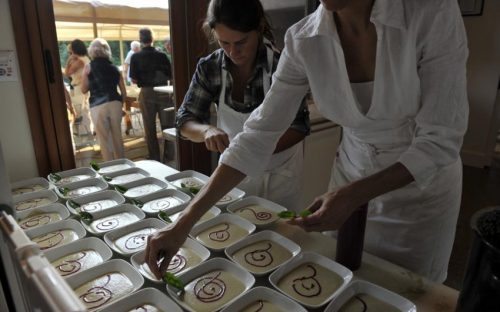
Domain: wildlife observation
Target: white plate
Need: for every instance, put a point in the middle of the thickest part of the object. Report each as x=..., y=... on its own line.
x=29, y=186
x=201, y=254
x=266, y=215
x=139, y=242
x=363, y=287
x=262, y=257
x=166, y=200
x=222, y=237
x=53, y=235
x=35, y=217
x=343, y=274
x=138, y=188
x=111, y=266
x=242, y=282
x=174, y=214
x=195, y=179
x=113, y=218
x=71, y=267
x=125, y=176
x=73, y=175
x=32, y=200
x=141, y=298
x=81, y=188
x=113, y=165
x=95, y=202
x=253, y=296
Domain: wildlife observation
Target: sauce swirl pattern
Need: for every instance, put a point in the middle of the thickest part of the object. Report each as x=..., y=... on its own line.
x=71, y=266
x=108, y=224
x=307, y=286
x=36, y=221
x=260, y=257
x=220, y=235
x=177, y=264
x=210, y=288
x=97, y=296
x=52, y=239
x=259, y=215
x=137, y=241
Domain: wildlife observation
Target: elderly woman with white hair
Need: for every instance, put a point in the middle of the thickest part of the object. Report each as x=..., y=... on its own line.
x=103, y=79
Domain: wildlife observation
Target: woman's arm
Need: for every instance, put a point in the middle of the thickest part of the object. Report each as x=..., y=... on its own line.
x=73, y=65
x=166, y=242
x=85, y=79
x=216, y=140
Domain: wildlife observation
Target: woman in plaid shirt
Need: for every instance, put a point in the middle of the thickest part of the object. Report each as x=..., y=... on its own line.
x=236, y=78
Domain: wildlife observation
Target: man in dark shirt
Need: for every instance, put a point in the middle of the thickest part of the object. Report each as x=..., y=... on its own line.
x=150, y=68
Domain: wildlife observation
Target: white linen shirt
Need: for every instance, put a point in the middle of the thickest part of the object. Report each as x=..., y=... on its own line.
x=420, y=77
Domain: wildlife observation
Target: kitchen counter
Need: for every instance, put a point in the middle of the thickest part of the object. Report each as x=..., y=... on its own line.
x=427, y=296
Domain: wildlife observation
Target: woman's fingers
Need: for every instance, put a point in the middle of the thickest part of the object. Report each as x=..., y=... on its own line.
x=151, y=256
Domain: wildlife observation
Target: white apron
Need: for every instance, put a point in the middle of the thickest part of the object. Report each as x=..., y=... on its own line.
x=281, y=182
x=410, y=227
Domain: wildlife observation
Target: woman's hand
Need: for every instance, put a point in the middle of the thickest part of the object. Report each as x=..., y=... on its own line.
x=330, y=210
x=215, y=139
x=164, y=244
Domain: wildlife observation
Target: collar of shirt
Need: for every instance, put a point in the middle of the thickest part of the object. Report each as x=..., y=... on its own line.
x=385, y=12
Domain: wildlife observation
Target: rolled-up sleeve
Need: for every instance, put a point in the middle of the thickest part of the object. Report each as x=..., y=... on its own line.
x=251, y=150
x=441, y=121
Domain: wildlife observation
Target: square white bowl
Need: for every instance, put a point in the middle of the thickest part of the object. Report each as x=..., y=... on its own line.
x=222, y=236
x=174, y=214
x=52, y=233
x=113, y=218
x=39, y=216
x=192, y=178
x=209, y=267
x=163, y=200
x=141, y=298
x=198, y=249
x=141, y=187
x=261, y=217
x=29, y=186
x=81, y=188
x=364, y=287
x=125, y=175
x=309, y=257
x=139, y=231
x=111, y=266
x=263, y=256
x=70, y=176
x=71, y=267
x=95, y=202
x=33, y=200
x=260, y=293
x=106, y=167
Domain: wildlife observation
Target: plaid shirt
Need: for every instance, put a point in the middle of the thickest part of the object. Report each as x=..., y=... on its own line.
x=206, y=86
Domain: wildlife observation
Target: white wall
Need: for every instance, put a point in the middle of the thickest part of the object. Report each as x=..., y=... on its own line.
x=15, y=133
x=483, y=73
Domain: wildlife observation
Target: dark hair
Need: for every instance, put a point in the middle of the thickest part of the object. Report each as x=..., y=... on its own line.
x=145, y=35
x=240, y=15
x=78, y=47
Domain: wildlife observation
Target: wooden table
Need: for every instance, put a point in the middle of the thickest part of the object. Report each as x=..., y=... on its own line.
x=426, y=295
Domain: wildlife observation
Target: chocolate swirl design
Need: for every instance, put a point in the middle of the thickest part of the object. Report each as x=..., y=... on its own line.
x=259, y=215
x=220, y=235
x=108, y=224
x=260, y=257
x=71, y=266
x=365, y=306
x=97, y=296
x=36, y=221
x=260, y=307
x=161, y=204
x=141, y=308
x=307, y=286
x=137, y=241
x=210, y=288
x=24, y=189
x=32, y=203
x=97, y=206
x=53, y=239
x=225, y=199
x=177, y=264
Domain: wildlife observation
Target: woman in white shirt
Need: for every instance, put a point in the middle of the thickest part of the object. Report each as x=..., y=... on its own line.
x=392, y=73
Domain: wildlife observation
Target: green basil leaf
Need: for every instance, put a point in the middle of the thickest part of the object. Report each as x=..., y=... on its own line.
x=107, y=178
x=173, y=280
x=86, y=217
x=55, y=177
x=73, y=204
x=164, y=216
x=121, y=189
x=305, y=213
x=287, y=214
x=138, y=203
x=95, y=166
x=64, y=191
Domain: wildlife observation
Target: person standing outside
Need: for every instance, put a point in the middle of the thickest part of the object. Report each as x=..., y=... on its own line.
x=236, y=78
x=102, y=79
x=150, y=68
x=393, y=75
x=135, y=46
